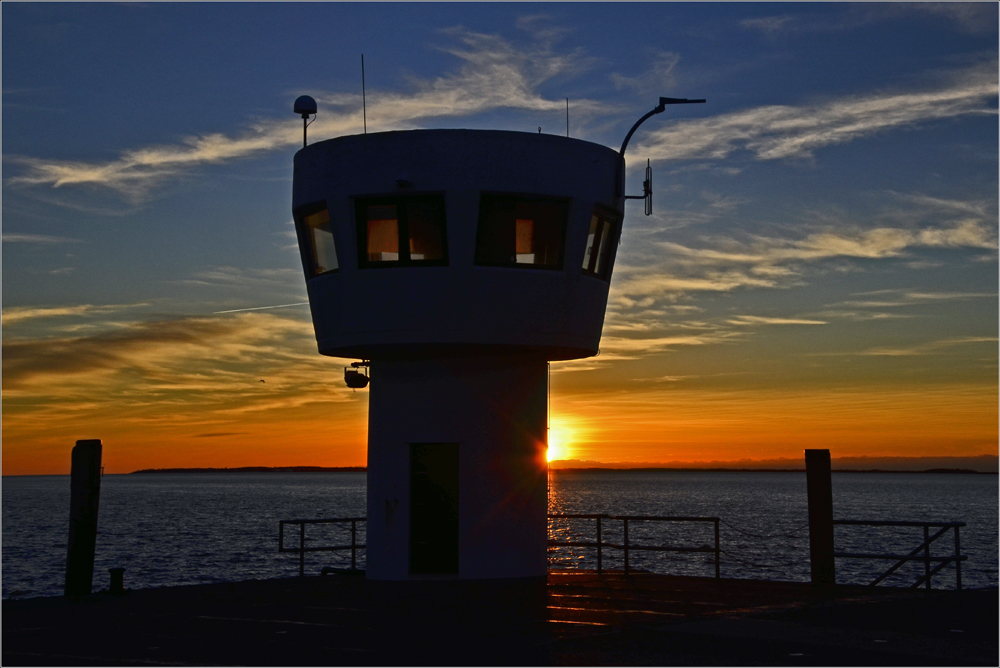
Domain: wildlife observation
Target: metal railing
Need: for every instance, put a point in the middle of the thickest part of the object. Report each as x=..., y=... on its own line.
x=626, y=547
x=920, y=553
x=600, y=545
x=915, y=555
x=302, y=549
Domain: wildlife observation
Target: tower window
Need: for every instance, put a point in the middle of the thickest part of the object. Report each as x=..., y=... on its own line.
x=518, y=230
x=600, y=238
x=316, y=238
x=395, y=231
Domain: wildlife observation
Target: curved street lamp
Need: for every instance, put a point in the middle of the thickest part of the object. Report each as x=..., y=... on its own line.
x=647, y=185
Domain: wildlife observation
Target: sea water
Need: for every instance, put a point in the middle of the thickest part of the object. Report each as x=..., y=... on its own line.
x=172, y=529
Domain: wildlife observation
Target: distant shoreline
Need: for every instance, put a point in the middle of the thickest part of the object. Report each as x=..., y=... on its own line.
x=573, y=470
x=752, y=470
x=594, y=469
x=261, y=469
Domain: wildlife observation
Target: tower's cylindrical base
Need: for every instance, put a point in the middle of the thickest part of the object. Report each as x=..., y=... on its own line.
x=456, y=468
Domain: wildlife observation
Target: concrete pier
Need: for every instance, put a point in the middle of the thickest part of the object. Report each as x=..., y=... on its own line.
x=577, y=618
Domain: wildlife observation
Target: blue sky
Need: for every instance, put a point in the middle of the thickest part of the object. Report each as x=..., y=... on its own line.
x=826, y=222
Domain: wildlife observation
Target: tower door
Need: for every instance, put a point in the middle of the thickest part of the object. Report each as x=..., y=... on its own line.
x=434, y=508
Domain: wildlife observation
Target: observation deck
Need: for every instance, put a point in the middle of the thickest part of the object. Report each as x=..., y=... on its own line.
x=429, y=242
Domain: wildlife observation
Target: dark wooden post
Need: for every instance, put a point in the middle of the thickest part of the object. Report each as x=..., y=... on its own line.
x=600, y=570
x=820, y=494
x=626, y=544
x=117, y=581
x=85, y=495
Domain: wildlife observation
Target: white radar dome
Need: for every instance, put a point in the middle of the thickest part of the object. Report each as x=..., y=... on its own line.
x=305, y=105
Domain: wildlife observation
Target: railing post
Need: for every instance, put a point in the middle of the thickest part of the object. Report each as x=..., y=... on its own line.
x=626, y=544
x=302, y=549
x=927, y=557
x=958, y=561
x=717, y=575
x=600, y=569
x=820, y=494
x=354, y=533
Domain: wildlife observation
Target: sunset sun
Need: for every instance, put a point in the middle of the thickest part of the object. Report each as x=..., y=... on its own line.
x=560, y=440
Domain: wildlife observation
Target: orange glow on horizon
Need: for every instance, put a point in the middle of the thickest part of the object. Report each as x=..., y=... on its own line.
x=641, y=426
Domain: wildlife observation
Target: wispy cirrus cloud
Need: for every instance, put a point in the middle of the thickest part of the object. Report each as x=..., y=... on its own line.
x=930, y=348
x=658, y=76
x=208, y=364
x=725, y=264
x=968, y=17
x=772, y=24
x=900, y=297
x=750, y=320
x=884, y=304
x=17, y=314
x=617, y=348
x=228, y=289
x=493, y=74
x=21, y=238
x=135, y=171
x=254, y=278
x=790, y=132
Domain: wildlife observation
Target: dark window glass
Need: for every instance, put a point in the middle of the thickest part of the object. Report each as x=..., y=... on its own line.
x=518, y=230
x=425, y=228
x=600, y=238
x=316, y=235
x=396, y=231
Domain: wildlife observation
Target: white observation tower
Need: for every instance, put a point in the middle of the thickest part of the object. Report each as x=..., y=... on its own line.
x=457, y=263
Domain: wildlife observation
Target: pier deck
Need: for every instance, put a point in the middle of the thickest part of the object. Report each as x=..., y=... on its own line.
x=576, y=618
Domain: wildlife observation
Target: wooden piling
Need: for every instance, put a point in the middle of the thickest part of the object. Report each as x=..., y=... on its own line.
x=85, y=495
x=820, y=494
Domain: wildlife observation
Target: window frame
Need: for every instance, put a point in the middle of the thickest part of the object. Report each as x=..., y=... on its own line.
x=566, y=202
x=307, y=248
x=615, y=220
x=362, y=202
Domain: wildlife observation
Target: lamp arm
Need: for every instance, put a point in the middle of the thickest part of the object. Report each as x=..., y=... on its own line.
x=658, y=110
x=664, y=101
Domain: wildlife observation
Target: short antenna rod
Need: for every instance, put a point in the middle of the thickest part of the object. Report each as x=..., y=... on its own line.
x=567, y=117
x=364, y=105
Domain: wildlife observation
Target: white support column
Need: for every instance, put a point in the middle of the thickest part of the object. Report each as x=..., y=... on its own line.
x=494, y=408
